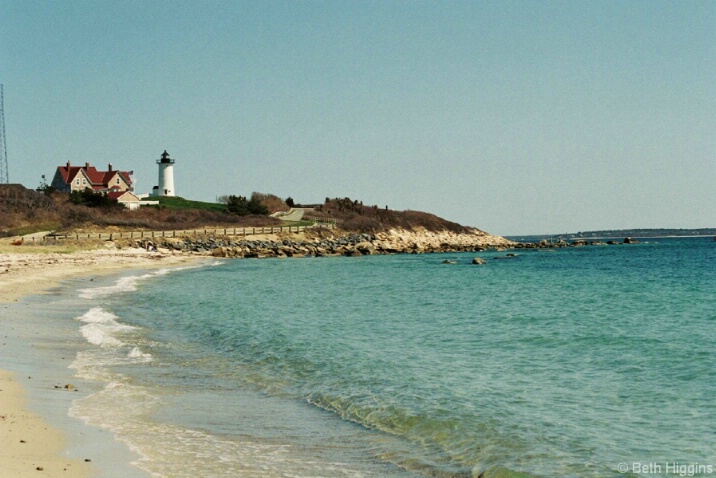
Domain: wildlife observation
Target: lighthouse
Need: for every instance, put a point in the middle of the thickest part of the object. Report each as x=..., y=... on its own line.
x=166, y=176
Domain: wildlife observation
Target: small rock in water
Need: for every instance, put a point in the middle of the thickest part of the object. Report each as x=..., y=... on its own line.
x=478, y=260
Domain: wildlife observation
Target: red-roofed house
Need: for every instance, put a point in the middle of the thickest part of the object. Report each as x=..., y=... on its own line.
x=78, y=178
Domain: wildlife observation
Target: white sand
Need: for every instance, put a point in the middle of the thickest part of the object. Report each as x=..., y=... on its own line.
x=28, y=446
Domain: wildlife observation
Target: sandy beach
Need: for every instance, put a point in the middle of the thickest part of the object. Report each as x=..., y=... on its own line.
x=28, y=445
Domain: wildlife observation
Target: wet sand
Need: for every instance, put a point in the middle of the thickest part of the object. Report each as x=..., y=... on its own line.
x=28, y=445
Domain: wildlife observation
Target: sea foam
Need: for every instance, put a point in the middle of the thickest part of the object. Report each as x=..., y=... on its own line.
x=131, y=283
x=125, y=284
x=136, y=353
x=101, y=327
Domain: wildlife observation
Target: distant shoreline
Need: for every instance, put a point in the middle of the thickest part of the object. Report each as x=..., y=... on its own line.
x=634, y=234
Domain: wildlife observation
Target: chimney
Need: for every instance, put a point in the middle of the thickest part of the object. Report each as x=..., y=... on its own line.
x=68, y=165
x=86, y=165
x=110, y=167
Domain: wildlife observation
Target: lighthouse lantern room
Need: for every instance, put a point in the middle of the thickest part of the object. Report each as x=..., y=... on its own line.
x=166, y=176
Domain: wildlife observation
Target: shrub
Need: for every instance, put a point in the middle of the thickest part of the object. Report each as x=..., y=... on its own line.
x=241, y=206
x=272, y=202
x=89, y=198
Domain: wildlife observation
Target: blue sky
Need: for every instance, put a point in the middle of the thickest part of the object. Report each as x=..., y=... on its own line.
x=516, y=117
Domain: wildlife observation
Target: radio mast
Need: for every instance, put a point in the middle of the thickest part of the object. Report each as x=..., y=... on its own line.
x=4, y=177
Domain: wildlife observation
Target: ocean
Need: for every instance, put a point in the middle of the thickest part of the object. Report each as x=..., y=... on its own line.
x=593, y=361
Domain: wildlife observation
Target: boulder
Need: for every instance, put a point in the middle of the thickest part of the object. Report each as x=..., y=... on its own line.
x=478, y=260
x=176, y=244
x=220, y=252
x=349, y=252
x=286, y=251
x=365, y=248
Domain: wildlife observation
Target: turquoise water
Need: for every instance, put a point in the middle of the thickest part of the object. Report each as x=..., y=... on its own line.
x=579, y=362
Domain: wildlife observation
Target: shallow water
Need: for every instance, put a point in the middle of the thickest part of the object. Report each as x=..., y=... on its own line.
x=576, y=362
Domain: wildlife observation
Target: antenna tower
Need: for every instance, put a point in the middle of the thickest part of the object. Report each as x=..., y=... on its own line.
x=4, y=178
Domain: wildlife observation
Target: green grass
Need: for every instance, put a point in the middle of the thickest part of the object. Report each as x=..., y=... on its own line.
x=179, y=203
x=31, y=229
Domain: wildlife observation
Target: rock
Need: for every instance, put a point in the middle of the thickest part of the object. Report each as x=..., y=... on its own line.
x=479, y=260
x=286, y=251
x=352, y=253
x=175, y=244
x=448, y=261
x=365, y=248
x=220, y=252
x=629, y=240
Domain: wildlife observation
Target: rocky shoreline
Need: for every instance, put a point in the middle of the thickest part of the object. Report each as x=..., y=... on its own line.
x=332, y=243
x=544, y=244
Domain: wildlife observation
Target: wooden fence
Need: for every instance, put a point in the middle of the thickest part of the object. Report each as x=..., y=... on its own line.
x=325, y=220
x=226, y=231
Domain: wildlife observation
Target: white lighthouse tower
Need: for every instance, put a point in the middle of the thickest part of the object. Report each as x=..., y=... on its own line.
x=166, y=176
